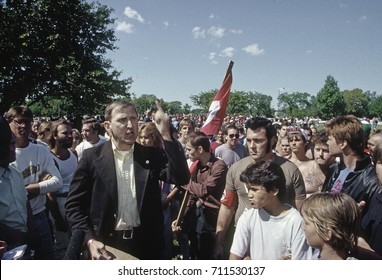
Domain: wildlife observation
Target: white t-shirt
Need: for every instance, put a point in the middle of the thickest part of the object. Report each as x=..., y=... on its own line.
x=33, y=161
x=269, y=237
x=66, y=168
x=86, y=145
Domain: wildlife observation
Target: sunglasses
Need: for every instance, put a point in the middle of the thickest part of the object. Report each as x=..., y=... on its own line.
x=233, y=135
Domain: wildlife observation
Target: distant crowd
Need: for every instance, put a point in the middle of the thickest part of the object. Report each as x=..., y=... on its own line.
x=124, y=186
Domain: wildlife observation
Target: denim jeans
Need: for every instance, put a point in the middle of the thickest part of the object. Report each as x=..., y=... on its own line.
x=42, y=228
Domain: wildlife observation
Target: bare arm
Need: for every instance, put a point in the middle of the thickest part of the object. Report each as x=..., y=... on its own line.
x=234, y=257
x=224, y=219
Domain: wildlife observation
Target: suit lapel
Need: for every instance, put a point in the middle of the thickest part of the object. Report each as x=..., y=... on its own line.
x=141, y=172
x=105, y=168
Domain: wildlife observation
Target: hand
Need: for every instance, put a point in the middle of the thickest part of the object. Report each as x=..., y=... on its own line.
x=97, y=251
x=3, y=247
x=162, y=122
x=175, y=228
x=44, y=176
x=361, y=205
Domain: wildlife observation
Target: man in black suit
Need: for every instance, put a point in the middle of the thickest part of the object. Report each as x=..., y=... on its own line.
x=115, y=196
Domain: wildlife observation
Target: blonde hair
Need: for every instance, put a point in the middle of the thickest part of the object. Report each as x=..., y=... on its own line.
x=150, y=129
x=337, y=212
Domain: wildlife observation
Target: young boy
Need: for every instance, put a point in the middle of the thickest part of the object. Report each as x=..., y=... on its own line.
x=271, y=230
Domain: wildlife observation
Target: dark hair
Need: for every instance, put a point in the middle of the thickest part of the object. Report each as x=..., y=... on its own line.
x=271, y=132
x=53, y=131
x=96, y=126
x=321, y=137
x=267, y=174
x=116, y=106
x=21, y=110
x=197, y=139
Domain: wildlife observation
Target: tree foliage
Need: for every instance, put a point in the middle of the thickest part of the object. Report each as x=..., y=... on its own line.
x=356, y=102
x=54, y=50
x=296, y=104
x=330, y=101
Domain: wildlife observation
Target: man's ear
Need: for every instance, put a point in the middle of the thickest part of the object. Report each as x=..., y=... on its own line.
x=275, y=192
x=106, y=125
x=200, y=149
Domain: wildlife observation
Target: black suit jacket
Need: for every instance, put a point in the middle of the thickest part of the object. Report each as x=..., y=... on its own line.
x=93, y=198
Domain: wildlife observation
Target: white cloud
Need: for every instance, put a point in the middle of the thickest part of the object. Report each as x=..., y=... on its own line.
x=308, y=51
x=362, y=18
x=227, y=52
x=211, y=55
x=130, y=13
x=124, y=27
x=212, y=16
x=254, y=49
x=166, y=24
x=198, y=32
x=217, y=32
x=236, y=31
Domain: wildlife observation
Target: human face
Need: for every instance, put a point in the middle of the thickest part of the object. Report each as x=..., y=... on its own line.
x=283, y=131
x=123, y=127
x=64, y=136
x=285, y=147
x=146, y=140
x=192, y=152
x=21, y=128
x=372, y=142
x=231, y=132
x=35, y=126
x=296, y=142
x=259, y=197
x=257, y=143
x=311, y=235
x=220, y=137
x=334, y=147
x=88, y=133
x=185, y=130
x=322, y=155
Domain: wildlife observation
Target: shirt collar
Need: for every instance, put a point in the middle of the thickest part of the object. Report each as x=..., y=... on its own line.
x=115, y=150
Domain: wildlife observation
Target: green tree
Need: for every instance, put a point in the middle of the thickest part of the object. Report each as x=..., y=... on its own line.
x=203, y=100
x=296, y=104
x=356, y=102
x=259, y=104
x=238, y=103
x=54, y=49
x=330, y=101
x=374, y=104
x=146, y=102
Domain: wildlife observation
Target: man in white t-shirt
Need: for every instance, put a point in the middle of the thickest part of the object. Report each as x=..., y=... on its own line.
x=271, y=230
x=40, y=175
x=91, y=136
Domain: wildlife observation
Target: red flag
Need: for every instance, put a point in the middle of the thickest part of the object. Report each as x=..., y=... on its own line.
x=219, y=105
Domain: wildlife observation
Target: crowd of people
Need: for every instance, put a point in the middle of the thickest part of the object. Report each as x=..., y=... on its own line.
x=157, y=187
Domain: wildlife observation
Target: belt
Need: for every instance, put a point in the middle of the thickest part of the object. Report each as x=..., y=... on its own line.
x=128, y=233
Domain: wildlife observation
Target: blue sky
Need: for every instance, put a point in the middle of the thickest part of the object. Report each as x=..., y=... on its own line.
x=176, y=48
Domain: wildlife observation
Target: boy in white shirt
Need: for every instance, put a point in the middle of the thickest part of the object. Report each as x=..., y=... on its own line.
x=271, y=230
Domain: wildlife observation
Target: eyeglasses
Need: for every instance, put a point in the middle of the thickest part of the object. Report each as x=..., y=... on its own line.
x=20, y=122
x=233, y=135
